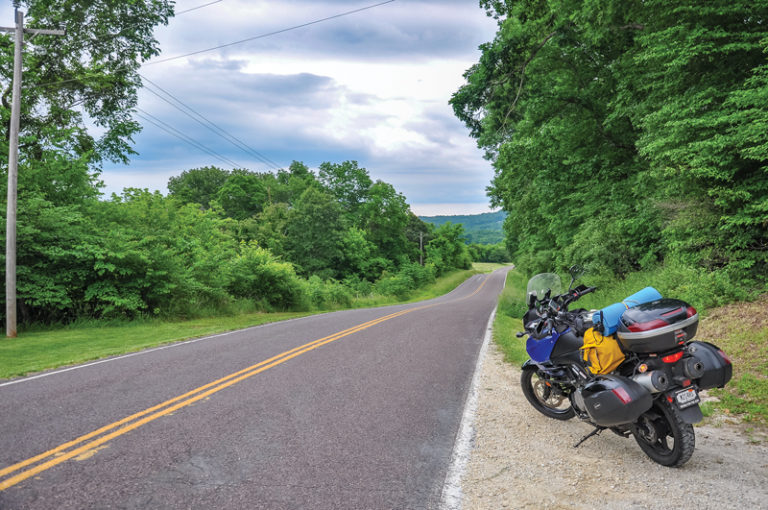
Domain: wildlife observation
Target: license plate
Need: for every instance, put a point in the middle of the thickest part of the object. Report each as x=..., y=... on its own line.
x=687, y=397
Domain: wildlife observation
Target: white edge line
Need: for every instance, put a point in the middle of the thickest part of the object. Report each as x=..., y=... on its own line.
x=178, y=344
x=452, y=494
x=149, y=350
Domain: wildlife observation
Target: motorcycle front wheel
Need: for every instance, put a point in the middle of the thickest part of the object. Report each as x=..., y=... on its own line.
x=545, y=397
x=663, y=435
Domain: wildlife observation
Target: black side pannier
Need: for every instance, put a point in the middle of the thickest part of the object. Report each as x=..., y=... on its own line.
x=614, y=400
x=717, y=367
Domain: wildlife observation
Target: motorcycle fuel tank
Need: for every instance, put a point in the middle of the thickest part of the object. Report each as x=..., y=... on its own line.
x=657, y=326
x=612, y=400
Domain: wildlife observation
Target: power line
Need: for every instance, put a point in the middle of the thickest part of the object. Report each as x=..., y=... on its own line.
x=196, y=8
x=178, y=134
x=119, y=33
x=347, y=13
x=208, y=124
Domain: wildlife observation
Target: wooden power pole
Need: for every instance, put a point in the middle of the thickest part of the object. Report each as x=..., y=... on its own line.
x=13, y=171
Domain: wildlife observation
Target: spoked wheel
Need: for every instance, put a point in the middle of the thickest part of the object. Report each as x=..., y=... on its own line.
x=663, y=435
x=545, y=397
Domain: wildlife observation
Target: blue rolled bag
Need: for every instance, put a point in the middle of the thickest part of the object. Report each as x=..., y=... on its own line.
x=607, y=319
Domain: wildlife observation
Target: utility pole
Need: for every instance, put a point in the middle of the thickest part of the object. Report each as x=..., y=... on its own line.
x=13, y=171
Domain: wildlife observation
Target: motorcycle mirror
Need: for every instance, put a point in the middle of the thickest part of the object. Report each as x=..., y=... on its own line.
x=576, y=271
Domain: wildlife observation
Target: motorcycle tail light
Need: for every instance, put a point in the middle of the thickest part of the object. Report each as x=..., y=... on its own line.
x=673, y=358
x=690, y=311
x=639, y=327
x=622, y=394
x=686, y=383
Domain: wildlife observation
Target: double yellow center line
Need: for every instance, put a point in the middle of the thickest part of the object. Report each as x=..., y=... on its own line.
x=20, y=471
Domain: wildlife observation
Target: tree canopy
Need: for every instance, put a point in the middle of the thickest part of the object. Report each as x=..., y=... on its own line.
x=625, y=133
x=286, y=240
x=89, y=74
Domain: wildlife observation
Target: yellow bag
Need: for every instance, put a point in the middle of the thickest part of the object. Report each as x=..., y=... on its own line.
x=602, y=353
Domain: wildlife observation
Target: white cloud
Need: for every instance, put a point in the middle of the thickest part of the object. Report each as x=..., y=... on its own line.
x=373, y=86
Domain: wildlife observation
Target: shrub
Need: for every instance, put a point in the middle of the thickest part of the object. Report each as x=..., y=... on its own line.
x=256, y=274
x=327, y=294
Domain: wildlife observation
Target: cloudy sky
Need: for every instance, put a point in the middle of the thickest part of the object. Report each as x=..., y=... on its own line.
x=371, y=86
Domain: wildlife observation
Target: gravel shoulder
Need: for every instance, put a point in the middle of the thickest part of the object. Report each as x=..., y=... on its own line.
x=521, y=459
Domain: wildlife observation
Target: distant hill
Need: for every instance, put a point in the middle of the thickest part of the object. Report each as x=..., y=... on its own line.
x=482, y=228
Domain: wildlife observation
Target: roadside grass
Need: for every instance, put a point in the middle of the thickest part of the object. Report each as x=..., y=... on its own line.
x=739, y=329
x=508, y=319
x=41, y=350
x=45, y=348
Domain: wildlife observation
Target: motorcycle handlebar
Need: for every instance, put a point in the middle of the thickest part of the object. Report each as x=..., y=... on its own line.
x=579, y=292
x=556, y=309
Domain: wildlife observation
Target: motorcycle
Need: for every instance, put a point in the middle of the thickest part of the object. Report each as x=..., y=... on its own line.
x=632, y=367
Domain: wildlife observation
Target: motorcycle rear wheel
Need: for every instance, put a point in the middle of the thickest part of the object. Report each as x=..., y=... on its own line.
x=545, y=398
x=663, y=435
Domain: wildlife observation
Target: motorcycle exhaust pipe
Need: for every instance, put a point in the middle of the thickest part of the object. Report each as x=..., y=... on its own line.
x=693, y=368
x=654, y=381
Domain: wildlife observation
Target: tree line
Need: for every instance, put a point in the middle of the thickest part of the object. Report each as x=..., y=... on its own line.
x=627, y=134
x=291, y=239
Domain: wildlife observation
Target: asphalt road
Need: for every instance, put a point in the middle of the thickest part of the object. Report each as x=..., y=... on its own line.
x=349, y=410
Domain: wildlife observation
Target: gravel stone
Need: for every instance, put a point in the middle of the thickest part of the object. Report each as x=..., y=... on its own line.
x=521, y=459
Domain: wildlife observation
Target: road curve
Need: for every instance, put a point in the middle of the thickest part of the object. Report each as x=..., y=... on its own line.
x=353, y=409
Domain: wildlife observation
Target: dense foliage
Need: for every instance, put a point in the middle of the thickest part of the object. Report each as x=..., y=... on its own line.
x=88, y=75
x=625, y=134
x=489, y=253
x=290, y=240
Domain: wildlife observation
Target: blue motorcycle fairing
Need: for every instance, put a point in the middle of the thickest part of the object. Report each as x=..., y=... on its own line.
x=540, y=350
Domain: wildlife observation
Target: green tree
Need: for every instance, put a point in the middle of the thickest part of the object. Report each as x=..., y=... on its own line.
x=90, y=72
x=291, y=183
x=700, y=110
x=270, y=227
x=359, y=256
x=198, y=185
x=87, y=77
x=242, y=195
x=384, y=217
x=314, y=233
x=254, y=273
x=448, y=249
x=625, y=132
x=489, y=253
x=349, y=183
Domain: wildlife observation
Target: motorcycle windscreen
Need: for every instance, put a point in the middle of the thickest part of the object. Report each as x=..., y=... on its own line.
x=543, y=283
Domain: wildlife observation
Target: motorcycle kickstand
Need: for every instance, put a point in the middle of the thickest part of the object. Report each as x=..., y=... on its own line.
x=593, y=433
